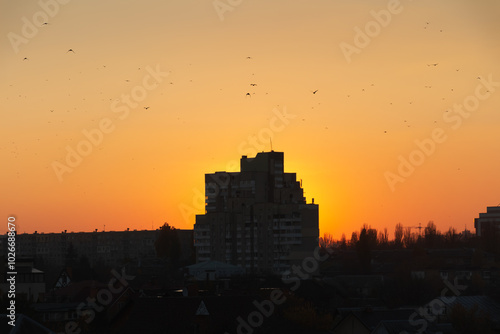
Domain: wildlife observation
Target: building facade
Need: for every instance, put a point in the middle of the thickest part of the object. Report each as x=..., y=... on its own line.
x=488, y=222
x=257, y=219
x=109, y=248
x=29, y=283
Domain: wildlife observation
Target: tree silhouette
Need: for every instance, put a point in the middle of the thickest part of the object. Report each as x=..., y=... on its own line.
x=343, y=242
x=383, y=238
x=81, y=269
x=430, y=234
x=71, y=255
x=367, y=241
x=398, y=235
x=167, y=245
x=326, y=241
x=409, y=239
x=354, y=238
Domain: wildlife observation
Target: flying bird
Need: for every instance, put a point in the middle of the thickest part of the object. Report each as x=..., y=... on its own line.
x=25, y=58
x=248, y=94
x=436, y=64
x=253, y=84
x=70, y=50
x=249, y=57
x=315, y=91
x=146, y=108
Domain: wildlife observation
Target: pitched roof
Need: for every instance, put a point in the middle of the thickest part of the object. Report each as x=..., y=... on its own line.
x=24, y=325
x=372, y=317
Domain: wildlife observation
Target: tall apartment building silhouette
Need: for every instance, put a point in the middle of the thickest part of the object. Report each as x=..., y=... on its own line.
x=257, y=218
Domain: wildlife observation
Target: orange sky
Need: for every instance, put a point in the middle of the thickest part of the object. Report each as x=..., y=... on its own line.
x=187, y=61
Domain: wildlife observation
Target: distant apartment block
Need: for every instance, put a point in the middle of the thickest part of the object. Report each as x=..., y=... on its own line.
x=109, y=248
x=257, y=219
x=488, y=222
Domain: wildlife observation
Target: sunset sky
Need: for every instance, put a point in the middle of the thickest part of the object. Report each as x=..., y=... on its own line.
x=404, y=126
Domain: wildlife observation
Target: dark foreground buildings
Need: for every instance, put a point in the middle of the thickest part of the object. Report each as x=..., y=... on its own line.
x=257, y=218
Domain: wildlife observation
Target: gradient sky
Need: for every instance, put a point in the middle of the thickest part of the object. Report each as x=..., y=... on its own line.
x=371, y=107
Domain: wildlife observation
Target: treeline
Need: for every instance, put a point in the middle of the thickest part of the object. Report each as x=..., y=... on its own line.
x=407, y=237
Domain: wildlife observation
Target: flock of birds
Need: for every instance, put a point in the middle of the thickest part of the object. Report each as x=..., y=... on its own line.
x=410, y=102
x=314, y=92
x=248, y=94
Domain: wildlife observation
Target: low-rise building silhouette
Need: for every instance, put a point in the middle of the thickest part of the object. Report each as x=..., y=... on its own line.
x=110, y=248
x=29, y=281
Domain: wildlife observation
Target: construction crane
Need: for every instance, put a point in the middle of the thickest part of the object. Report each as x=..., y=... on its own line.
x=419, y=227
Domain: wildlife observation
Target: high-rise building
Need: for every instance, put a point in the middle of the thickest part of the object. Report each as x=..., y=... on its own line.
x=257, y=218
x=488, y=222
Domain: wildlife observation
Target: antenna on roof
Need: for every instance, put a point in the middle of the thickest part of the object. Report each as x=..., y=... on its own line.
x=271, y=141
